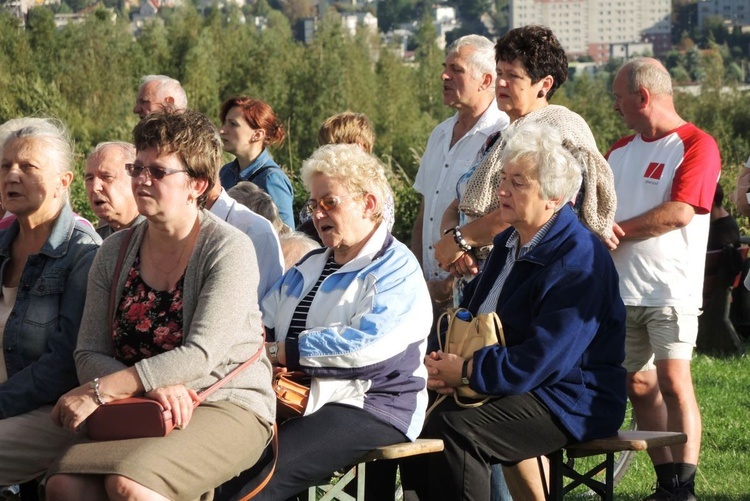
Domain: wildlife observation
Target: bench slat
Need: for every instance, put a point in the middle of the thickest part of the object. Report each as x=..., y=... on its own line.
x=420, y=446
x=631, y=441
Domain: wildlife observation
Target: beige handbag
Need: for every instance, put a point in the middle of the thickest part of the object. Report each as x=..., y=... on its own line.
x=465, y=335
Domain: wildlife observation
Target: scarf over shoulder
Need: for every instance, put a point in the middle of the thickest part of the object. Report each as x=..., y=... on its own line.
x=599, y=200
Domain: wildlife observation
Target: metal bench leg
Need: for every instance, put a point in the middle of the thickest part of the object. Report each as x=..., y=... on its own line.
x=361, y=482
x=556, y=468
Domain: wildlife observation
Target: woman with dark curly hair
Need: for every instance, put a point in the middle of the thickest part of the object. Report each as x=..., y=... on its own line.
x=531, y=66
x=247, y=126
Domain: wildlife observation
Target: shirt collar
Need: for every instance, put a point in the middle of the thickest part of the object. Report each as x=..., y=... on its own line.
x=514, y=239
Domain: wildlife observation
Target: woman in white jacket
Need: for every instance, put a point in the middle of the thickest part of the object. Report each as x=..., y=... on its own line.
x=354, y=315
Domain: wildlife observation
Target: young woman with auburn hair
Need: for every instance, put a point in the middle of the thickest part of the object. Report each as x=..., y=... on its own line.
x=247, y=126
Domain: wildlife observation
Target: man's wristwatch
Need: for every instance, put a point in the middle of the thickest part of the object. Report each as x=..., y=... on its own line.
x=273, y=353
x=465, y=372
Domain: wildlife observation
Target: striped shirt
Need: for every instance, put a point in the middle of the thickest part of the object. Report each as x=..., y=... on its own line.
x=490, y=302
x=299, y=319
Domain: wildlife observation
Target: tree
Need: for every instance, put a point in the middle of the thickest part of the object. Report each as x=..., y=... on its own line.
x=391, y=12
x=429, y=60
x=680, y=74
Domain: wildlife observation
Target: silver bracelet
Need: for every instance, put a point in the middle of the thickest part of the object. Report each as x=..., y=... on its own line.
x=460, y=241
x=94, y=385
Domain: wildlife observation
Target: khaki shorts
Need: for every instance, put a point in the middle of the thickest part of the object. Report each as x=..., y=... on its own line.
x=28, y=444
x=658, y=333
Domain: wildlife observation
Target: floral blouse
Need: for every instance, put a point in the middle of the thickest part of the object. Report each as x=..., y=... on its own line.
x=147, y=321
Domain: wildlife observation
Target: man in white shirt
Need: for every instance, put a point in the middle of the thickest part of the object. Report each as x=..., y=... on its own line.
x=469, y=87
x=259, y=229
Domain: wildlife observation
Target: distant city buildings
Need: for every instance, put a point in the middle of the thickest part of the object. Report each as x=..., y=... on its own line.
x=732, y=12
x=20, y=8
x=600, y=29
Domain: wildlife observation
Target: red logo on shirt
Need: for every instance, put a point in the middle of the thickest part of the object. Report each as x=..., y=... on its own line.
x=654, y=171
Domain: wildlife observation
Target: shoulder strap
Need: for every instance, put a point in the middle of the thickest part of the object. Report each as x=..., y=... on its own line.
x=257, y=172
x=113, y=293
x=221, y=382
x=115, y=279
x=275, y=445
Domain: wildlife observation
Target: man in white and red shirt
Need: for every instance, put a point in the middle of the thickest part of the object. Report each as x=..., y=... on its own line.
x=665, y=178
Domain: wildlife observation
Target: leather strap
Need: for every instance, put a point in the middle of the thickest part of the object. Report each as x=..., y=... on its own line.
x=221, y=382
x=118, y=269
x=113, y=294
x=218, y=384
x=275, y=445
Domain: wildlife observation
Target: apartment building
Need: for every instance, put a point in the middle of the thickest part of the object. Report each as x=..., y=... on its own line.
x=733, y=12
x=591, y=27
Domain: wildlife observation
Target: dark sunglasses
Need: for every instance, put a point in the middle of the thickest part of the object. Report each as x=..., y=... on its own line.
x=154, y=172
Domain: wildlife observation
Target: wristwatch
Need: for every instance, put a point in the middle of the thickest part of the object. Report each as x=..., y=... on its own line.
x=273, y=353
x=465, y=372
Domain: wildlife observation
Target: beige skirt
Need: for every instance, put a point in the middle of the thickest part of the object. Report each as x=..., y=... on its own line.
x=222, y=440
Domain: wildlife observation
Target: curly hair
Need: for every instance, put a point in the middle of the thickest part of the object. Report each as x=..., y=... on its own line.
x=358, y=171
x=539, y=51
x=188, y=134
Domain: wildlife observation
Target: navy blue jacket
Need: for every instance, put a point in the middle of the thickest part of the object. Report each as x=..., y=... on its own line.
x=564, y=324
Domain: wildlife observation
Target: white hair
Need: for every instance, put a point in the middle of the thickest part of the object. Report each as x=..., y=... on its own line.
x=539, y=146
x=127, y=150
x=482, y=58
x=646, y=73
x=167, y=86
x=358, y=171
x=51, y=130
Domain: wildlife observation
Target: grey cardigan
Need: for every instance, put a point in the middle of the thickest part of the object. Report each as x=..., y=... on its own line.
x=221, y=320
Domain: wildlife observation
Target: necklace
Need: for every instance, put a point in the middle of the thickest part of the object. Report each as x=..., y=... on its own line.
x=166, y=274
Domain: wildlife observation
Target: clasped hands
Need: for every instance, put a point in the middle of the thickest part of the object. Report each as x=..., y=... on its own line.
x=452, y=259
x=443, y=371
x=72, y=409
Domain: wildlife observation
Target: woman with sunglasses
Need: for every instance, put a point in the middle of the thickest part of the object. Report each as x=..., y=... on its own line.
x=176, y=328
x=354, y=315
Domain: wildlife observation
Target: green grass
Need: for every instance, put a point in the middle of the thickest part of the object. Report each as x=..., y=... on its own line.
x=723, y=390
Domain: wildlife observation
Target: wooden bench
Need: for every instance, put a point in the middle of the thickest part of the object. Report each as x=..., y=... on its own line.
x=396, y=451
x=624, y=441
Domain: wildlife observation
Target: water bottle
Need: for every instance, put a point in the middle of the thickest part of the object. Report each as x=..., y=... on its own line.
x=464, y=315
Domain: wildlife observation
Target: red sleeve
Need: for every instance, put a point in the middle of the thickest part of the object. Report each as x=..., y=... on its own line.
x=623, y=141
x=695, y=180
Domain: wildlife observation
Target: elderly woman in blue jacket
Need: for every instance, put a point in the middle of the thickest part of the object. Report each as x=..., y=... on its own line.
x=45, y=255
x=555, y=288
x=354, y=315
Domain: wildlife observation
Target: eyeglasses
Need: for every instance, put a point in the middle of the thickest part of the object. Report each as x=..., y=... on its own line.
x=325, y=203
x=154, y=172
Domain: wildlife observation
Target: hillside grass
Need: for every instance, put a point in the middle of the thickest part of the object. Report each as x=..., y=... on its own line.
x=723, y=390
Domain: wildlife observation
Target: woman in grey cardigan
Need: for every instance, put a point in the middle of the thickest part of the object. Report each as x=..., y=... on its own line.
x=177, y=329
